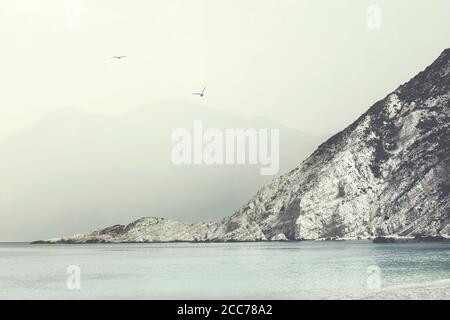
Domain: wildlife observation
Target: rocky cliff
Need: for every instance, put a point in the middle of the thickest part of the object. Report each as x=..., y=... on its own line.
x=387, y=173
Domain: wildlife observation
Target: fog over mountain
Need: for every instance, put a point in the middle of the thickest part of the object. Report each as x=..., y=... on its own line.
x=73, y=170
x=387, y=173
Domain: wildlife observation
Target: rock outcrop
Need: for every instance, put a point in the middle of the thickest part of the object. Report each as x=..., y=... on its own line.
x=387, y=173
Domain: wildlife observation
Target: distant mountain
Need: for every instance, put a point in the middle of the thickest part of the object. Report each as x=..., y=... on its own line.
x=75, y=171
x=387, y=173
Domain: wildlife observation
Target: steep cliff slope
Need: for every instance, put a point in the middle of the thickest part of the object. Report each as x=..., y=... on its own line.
x=387, y=173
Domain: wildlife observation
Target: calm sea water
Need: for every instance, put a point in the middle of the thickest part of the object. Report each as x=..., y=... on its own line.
x=291, y=270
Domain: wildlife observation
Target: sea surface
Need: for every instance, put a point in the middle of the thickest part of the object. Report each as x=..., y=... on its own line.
x=262, y=270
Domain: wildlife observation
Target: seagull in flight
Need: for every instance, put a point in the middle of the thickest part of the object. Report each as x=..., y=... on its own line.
x=201, y=94
x=118, y=57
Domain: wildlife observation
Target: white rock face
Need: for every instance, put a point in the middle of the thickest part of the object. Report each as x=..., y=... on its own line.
x=387, y=173
x=150, y=229
x=279, y=237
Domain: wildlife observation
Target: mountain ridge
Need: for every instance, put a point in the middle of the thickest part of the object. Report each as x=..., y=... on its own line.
x=387, y=173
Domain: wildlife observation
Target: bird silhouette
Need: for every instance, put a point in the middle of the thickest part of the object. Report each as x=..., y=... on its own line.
x=201, y=94
x=118, y=57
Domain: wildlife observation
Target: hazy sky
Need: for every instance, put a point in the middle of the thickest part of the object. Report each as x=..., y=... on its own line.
x=313, y=65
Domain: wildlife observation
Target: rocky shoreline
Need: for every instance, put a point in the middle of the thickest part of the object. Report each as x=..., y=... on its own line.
x=382, y=239
x=416, y=239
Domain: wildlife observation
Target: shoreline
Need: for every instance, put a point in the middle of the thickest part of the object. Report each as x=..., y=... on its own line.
x=392, y=239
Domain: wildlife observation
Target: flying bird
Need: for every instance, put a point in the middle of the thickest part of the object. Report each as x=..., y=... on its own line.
x=201, y=94
x=118, y=57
